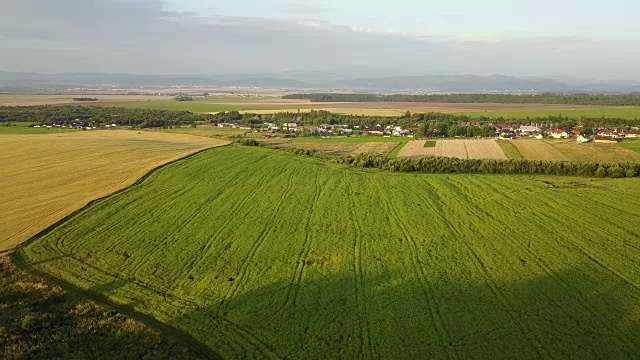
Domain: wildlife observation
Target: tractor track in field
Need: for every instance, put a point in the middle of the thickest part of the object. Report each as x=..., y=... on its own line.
x=233, y=212
x=546, y=268
x=294, y=287
x=359, y=246
x=559, y=215
x=256, y=246
x=438, y=322
x=493, y=286
x=183, y=224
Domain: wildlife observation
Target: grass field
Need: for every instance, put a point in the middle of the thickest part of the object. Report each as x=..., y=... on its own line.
x=261, y=254
x=46, y=177
x=509, y=150
x=633, y=145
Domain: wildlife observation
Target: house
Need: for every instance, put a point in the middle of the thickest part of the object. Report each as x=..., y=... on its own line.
x=559, y=134
x=539, y=137
x=576, y=133
x=607, y=139
x=374, y=130
x=529, y=130
x=583, y=139
x=632, y=134
x=289, y=125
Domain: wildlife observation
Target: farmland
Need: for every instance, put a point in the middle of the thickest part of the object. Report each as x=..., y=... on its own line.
x=270, y=255
x=46, y=177
x=270, y=103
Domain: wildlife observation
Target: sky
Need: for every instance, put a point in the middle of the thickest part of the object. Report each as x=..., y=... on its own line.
x=543, y=38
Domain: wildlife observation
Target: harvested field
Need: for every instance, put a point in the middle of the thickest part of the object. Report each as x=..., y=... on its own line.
x=484, y=149
x=538, y=150
x=594, y=152
x=469, y=149
x=452, y=148
x=46, y=177
x=345, y=148
x=279, y=256
x=416, y=149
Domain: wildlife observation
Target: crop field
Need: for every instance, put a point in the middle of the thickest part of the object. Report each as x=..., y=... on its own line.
x=595, y=151
x=204, y=130
x=633, y=145
x=262, y=254
x=269, y=102
x=538, y=150
x=469, y=149
x=46, y=177
x=417, y=148
x=345, y=148
x=568, y=150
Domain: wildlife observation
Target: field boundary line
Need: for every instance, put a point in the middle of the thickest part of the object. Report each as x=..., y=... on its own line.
x=163, y=328
x=138, y=182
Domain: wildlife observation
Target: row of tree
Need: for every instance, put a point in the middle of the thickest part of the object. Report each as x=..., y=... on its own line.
x=544, y=98
x=67, y=115
x=446, y=165
x=435, y=124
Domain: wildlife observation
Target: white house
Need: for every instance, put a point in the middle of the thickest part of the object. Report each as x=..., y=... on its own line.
x=529, y=130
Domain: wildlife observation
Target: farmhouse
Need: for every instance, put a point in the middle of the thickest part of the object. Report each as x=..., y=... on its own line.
x=632, y=134
x=583, y=139
x=559, y=134
x=529, y=130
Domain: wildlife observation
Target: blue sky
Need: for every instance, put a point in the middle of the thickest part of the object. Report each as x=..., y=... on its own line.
x=585, y=39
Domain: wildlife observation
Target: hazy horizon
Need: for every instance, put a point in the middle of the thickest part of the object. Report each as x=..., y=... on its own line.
x=579, y=39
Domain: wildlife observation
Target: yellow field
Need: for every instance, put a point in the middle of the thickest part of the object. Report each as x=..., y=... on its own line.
x=595, y=152
x=345, y=148
x=416, y=149
x=46, y=177
x=469, y=149
x=538, y=150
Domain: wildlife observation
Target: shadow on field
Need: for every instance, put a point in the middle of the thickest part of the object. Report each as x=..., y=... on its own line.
x=560, y=316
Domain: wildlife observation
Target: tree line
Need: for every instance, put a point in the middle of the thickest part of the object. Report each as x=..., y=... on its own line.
x=543, y=98
x=67, y=115
x=427, y=124
x=447, y=165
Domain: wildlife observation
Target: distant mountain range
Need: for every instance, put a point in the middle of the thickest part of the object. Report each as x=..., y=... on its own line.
x=304, y=80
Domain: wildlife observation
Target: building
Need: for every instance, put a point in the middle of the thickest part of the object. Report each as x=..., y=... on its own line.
x=559, y=134
x=529, y=130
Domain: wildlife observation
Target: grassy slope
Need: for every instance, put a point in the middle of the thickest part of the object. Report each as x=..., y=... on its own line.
x=258, y=253
x=46, y=177
x=39, y=321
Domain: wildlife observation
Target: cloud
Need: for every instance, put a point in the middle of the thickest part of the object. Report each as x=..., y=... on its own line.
x=301, y=9
x=142, y=37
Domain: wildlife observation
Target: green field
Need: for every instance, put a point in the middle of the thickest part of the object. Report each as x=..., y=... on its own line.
x=631, y=145
x=262, y=254
x=194, y=106
x=628, y=112
x=250, y=104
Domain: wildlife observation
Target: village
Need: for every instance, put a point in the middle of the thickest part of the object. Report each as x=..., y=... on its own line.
x=499, y=131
